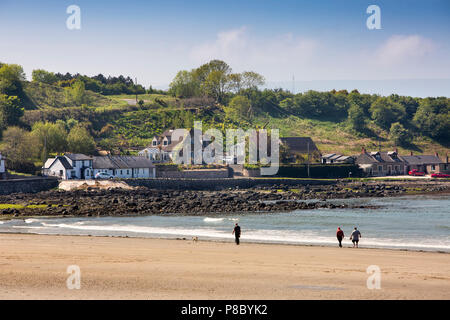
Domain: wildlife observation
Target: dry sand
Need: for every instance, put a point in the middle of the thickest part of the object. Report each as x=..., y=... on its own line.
x=34, y=267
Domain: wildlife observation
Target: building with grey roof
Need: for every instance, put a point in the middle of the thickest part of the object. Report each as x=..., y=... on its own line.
x=333, y=158
x=378, y=163
x=79, y=166
x=426, y=163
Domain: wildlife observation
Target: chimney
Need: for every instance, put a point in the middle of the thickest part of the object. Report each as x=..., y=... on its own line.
x=363, y=150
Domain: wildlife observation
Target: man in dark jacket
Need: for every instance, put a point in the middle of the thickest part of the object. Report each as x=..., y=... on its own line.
x=237, y=233
x=340, y=236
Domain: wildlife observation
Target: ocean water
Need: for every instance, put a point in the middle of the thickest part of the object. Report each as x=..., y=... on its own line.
x=411, y=222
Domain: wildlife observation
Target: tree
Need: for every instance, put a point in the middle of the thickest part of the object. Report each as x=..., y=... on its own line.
x=80, y=141
x=11, y=77
x=433, y=118
x=399, y=135
x=252, y=79
x=242, y=106
x=184, y=85
x=52, y=137
x=215, y=85
x=18, y=145
x=10, y=110
x=213, y=78
x=76, y=94
x=385, y=112
x=356, y=117
x=43, y=76
x=235, y=80
x=287, y=104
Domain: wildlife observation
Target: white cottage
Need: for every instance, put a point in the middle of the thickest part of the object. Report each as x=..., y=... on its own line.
x=80, y=166
x=58, y=167
x=125, y=166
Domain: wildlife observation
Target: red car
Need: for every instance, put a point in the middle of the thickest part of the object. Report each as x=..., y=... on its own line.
x=440, y=175
x=414, y=172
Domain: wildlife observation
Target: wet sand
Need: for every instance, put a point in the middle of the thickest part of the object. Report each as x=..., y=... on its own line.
x=35, y=267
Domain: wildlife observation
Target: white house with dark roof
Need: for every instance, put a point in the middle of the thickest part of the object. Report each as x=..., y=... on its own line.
x=80, y=166
x=58, y=167
x=164, y=149
x=124, y=166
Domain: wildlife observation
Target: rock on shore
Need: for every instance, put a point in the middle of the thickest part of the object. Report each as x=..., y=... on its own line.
x=93, y=201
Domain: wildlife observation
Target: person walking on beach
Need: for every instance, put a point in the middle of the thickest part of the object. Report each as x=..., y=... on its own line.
x=355, y=237
x=340, y=236
x=237, y=233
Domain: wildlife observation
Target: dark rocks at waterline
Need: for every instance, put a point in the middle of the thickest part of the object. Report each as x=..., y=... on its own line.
x=144, y=201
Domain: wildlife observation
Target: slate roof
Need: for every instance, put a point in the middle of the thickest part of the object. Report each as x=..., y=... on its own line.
x=299, y=144
x=121, y=162
x=422, y=159
x=78, y=156
x=63, y=161
x=378, y=157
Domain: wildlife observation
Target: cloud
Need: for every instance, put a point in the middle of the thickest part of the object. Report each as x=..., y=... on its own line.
x=277, y=54
x=279, y=57
x=404, y=49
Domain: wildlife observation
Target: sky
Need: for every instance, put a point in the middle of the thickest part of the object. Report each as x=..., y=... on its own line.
x=322, y=44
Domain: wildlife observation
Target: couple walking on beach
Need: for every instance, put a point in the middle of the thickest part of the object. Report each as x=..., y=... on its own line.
x=354, y=237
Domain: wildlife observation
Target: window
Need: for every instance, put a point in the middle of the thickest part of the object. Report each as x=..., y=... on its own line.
x=380, y=168
x=60, y=172
x=128, y=171
x=165, y=142
x=154, y=142
x=433, y=167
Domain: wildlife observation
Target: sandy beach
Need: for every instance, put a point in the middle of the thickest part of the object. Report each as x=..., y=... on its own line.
x=35, y=267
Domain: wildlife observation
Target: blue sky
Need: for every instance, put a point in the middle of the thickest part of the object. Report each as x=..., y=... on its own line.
x=322, y=42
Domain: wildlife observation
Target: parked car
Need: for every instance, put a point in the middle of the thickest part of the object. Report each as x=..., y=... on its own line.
x=103, y=175
x=414, y=172
x=440, y=175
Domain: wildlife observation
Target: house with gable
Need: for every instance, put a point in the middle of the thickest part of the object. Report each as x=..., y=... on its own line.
x=379, y=163
x=80, y=166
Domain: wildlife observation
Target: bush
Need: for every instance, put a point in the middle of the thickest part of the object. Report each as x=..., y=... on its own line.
x=22, y=167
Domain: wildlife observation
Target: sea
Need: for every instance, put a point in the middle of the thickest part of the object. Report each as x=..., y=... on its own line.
x=419, y=222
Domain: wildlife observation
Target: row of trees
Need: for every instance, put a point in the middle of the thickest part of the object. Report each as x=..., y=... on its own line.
x=401, y=116
x=98, y=83
x=214, y=79
x=23, y=148
x=11, y=89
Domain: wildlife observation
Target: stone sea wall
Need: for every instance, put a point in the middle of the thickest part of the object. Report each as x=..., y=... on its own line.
x=219, y=184
x=27, y=185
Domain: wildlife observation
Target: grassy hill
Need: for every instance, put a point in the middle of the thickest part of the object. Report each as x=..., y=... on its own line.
x=45, y=96
x=119, y=121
